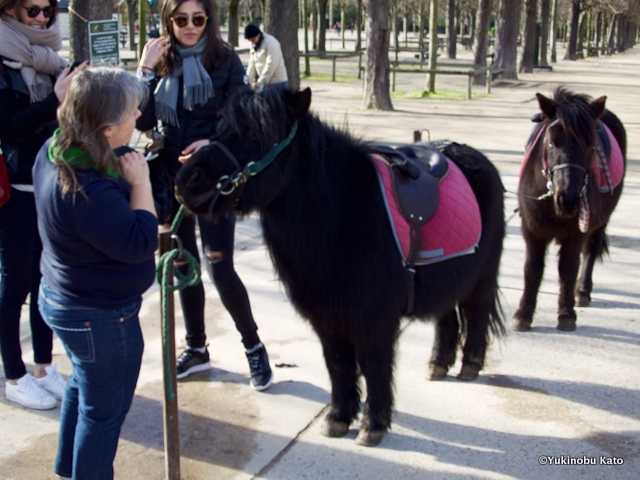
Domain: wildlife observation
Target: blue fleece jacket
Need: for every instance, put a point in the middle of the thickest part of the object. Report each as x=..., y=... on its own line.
x=96, y=252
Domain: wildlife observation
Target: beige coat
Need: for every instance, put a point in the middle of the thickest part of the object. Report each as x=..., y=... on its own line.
x=266, y=65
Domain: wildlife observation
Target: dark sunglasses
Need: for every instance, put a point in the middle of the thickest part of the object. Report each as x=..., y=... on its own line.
x=182, y=21
x=34, y=11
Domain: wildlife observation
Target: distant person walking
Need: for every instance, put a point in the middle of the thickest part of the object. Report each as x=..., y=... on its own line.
x=266, y=63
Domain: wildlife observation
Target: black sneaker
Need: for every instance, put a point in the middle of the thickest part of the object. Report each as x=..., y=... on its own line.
x=192, y=361
x=261, y=374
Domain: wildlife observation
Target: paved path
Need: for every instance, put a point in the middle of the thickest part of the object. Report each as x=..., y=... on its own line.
x=543, y=393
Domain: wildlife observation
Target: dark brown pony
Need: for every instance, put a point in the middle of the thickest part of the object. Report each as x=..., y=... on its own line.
x=326, y=226
x=560, y=200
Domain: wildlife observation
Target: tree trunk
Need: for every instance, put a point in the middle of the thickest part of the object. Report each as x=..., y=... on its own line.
x=554, y=17
x=282, y=23
x=483, y=20
x=423, y=16
x=529, y=37
x=433, y=46
x=314, y=24
x=131, y=20
x=82, y=12
x=376, y=77
x=544, y=30
x=307, y=65
x=234, y=22
x=507, y=38
x=143, y=8
x=359, y=27
x=452, y=34
x=323, y=26
x=610, y=37
x=573, y=30
x=343, y=26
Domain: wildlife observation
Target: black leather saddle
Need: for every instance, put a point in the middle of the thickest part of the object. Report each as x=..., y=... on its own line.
x=417, y=171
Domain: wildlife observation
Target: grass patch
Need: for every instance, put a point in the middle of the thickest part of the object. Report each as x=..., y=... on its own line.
x=439, y=95
x=326, y=77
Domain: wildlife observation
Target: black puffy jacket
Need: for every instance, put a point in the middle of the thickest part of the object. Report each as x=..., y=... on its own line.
x=24, y=126
x=201, y=122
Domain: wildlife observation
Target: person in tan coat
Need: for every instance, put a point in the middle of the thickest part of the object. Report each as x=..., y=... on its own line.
x=266, y=63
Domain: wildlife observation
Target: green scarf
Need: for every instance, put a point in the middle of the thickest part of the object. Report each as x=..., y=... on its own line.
x=75, y=157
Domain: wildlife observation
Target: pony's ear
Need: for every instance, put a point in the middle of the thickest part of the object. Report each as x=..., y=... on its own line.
x=547, y=106
x=298, y=103
x=597, y=106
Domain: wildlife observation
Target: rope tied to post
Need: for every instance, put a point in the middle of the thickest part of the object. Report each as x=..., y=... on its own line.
x=163, y=276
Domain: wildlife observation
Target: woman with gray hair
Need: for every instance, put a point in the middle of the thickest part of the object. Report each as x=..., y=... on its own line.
x=99, y=230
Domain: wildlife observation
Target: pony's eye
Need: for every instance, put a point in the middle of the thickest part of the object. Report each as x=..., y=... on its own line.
x=551, y=145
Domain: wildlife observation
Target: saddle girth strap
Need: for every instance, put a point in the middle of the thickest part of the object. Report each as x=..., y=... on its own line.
x=415, y=236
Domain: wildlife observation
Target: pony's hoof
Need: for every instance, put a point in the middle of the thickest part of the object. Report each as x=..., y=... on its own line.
x=583, y=301
x=468, y=372
x=368, y=438
x=333, y=429
x=437, y=372
x=521, y=325
x=566, y=324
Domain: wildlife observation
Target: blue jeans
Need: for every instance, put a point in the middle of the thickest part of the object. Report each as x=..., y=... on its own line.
x=105, y=347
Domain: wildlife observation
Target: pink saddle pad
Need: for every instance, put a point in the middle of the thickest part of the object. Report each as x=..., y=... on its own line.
x=454, y=230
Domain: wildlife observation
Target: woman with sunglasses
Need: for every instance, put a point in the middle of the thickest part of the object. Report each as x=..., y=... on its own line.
x=193, y=73
x=29, y=97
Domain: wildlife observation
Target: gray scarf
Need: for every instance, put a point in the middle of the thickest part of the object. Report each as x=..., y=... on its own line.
x=197, y=86
x=35, y=51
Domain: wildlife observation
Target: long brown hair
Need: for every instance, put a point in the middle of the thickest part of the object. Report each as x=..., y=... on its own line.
x=98, y=97
x=16, y=4
x=216, y=51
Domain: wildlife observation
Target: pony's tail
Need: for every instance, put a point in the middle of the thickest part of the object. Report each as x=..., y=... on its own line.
x=496, y=321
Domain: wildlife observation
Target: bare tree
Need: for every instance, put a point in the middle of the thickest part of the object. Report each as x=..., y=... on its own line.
x=573, y=30
x=359, y=26
x=282, y=23
x=322, y=34
x=433, y=46
x=483, y=20
x=554, y=17
x=376, y=77
x=452, y=34
x=545, y=6
x=131, y=16
x=529, y=36
x=82, y=12
x=507, y=37
x=234, y=22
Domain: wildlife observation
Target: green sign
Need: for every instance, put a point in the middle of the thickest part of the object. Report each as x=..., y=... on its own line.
x=103, y=42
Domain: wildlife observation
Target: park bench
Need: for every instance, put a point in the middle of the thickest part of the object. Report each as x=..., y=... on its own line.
x=333, y=56
x=490, y=72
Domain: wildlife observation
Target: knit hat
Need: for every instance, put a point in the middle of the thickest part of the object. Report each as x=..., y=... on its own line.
x=251, y=31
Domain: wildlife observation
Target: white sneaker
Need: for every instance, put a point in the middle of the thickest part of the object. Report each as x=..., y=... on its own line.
x=29, y=393
x=53, y=382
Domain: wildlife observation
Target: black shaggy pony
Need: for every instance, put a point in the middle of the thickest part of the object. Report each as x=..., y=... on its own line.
x=564, y=203
x=328, y=233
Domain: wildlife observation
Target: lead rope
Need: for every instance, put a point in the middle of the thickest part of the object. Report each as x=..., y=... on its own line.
x=191, y=279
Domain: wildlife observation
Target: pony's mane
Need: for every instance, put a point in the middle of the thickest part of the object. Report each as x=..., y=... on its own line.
x=254, y=116
x=573, y=111
x=263, y=118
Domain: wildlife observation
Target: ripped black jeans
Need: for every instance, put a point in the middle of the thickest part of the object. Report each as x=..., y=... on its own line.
x=217, y=245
